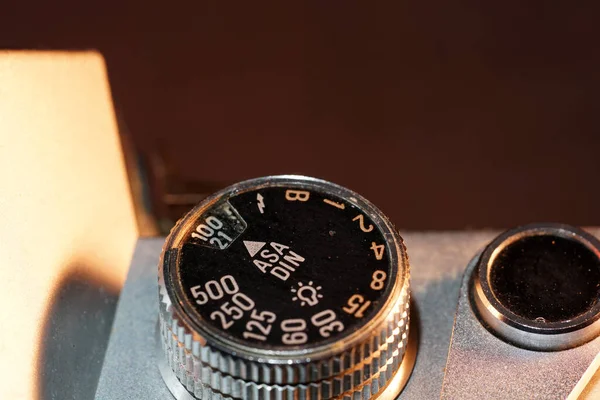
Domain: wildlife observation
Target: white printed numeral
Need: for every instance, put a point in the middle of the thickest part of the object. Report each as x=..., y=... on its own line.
x=293, y=329
x=361, y=223
x=262, y=322
x=326, y=322
x=242, y=302
x=357, y=305
x=378, y=249
x=214, y=289
x=207, y=231
x=378, y=280
x=341, y=206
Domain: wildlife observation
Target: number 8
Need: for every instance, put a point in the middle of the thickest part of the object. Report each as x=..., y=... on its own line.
x=378, y=280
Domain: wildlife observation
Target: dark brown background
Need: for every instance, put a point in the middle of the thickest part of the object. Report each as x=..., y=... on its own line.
x=445, y=114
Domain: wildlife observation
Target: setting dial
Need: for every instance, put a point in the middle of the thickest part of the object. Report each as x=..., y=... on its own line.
x=284, y=286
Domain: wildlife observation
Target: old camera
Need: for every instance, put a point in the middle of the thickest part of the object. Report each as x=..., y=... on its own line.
x=290, y=287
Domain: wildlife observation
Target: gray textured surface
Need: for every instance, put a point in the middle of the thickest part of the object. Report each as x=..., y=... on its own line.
x=438, y=261
x=130, y=369
x=437, y=264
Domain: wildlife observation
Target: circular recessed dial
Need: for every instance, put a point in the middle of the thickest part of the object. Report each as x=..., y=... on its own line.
x=538, y=286
x=284, y=287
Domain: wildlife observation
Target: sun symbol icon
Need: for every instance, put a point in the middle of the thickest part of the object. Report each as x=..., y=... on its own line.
x=307, y=294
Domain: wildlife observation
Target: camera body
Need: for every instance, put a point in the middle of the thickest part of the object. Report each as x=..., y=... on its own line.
x=440, y=295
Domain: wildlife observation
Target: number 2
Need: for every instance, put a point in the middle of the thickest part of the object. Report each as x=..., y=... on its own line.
x=361, y=223
x=219, y=315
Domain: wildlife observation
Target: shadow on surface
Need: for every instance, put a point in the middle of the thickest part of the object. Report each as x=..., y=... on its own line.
x=75, y=336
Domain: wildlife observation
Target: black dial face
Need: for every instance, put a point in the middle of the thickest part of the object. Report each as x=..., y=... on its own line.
x=284, y=267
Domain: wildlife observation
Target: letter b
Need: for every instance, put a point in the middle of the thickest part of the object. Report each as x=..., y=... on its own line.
x=297, y=195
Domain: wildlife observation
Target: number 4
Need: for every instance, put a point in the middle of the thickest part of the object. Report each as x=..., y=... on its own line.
x=378, y=249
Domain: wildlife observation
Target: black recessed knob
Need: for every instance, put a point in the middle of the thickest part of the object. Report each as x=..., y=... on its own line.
x=538, y=286
x=546, y=278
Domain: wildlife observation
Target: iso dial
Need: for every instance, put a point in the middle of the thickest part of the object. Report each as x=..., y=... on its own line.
x=284, y=287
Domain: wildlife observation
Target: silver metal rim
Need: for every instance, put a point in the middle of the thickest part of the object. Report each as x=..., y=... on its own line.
x=531, y=334
x=390, y=392
x=204, y=333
